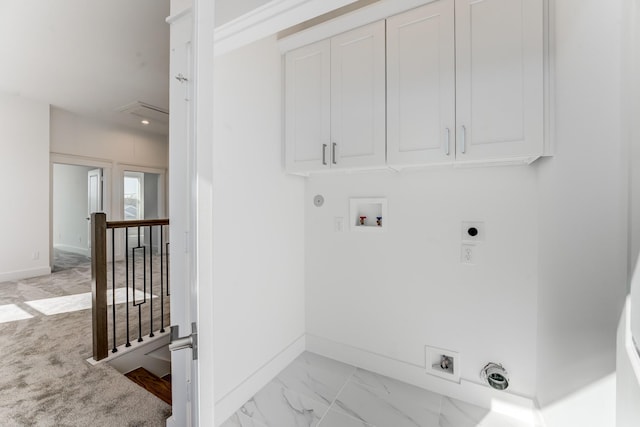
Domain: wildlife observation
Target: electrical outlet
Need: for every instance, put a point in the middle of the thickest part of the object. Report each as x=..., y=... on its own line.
x=468, y=254
x=473, y=231
x=338, y=224
x=36, y=255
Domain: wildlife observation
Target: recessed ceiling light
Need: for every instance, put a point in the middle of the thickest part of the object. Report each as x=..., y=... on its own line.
x=145, y=122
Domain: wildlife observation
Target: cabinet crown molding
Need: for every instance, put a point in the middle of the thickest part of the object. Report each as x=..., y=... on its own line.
x=374, y=12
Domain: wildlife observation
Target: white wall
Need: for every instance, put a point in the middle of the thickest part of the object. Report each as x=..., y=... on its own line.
x=24, y=185
x=80, y=136
x=390, y=294
x=627, y=371
x=70, y=208
x=258, y=227
x=627, y=359
x=555, y=254
x=582, y=209
x=631, y=104
x=119, y=148
x=151, y=196
x=631, y=127
x=395, y=292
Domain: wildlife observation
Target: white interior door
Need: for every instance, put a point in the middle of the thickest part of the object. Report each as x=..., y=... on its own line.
x=94, y=188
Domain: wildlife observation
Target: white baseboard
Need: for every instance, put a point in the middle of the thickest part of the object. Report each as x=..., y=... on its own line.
x=516, y=406
x=24, y=274
x=232, y=401
x=72, y=249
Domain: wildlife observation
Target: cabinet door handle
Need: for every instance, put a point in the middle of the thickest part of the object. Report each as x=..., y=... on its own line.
x=324, y=154
x=333, y=154
x=463, y=142
x=447, y=142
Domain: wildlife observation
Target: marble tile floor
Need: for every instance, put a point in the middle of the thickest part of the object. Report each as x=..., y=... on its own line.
x=316, y=391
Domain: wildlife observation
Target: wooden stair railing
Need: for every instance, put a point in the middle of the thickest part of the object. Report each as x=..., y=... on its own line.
x=99, y=279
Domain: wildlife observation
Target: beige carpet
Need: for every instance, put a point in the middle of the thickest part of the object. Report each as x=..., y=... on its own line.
x=44, y=378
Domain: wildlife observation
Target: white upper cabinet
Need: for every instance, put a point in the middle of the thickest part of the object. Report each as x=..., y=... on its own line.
x=450, y=82
x=335, y=102
x=358, y=97
x=308, y=95
x=421, y=85
x=499, y=79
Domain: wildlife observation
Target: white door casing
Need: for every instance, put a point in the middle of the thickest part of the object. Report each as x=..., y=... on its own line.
x=202, y=294
x=107, y=193
x=181, y=210
x=191, y=210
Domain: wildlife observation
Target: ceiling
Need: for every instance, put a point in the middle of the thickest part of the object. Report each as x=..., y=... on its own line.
x=89, y=57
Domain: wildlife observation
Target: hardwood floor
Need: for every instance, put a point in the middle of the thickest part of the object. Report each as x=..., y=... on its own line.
x=160, y=387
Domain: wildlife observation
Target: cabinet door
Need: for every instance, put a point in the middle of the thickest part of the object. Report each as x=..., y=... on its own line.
x=358, y=97
x=307, y=114
x=499, y=81
x=421, y=85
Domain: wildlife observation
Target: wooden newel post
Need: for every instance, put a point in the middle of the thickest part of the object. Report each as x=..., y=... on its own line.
x=99, y=284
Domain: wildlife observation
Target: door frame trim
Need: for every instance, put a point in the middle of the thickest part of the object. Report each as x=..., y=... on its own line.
x=72, y=160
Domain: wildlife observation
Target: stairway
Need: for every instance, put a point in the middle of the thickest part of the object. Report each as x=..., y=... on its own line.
x=160, y=387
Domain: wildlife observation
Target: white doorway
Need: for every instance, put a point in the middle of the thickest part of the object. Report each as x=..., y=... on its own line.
x=133, y=196
x=143, y=198
x=78, y=186
x=77, y=190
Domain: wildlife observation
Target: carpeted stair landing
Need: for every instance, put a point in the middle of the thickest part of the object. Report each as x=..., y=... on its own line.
x=44, y=377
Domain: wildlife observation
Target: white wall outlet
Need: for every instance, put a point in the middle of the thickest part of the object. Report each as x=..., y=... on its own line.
x=338, y=224
x=473, y=231
x=36, y=255
x=467, y=255
x=443, y=363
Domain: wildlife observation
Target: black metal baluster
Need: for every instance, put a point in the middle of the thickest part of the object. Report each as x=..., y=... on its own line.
x=113, y=287
x=144, y=285
x=151, y=281
x=161, y=279
x=126, y=273
x=168, y=263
